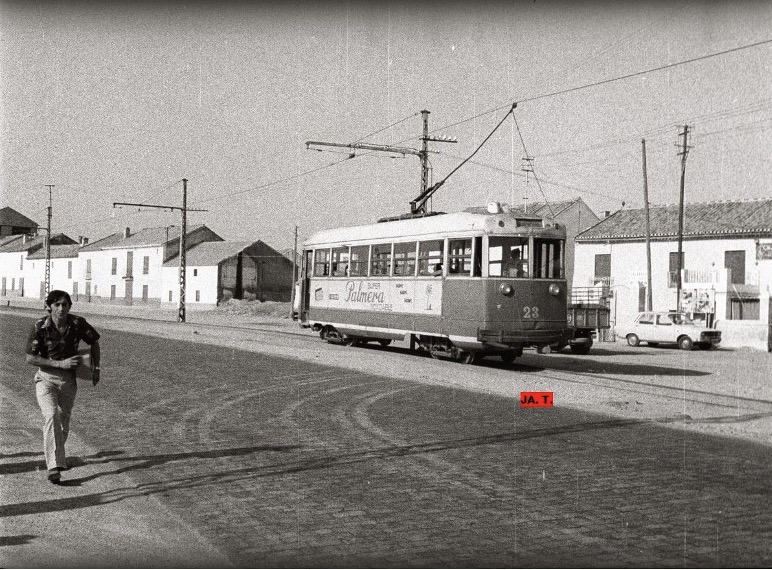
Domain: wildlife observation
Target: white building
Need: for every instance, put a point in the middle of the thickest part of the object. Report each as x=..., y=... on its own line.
x=126, y=267
x=17, y=272
x=726, y=266
x=63, y=271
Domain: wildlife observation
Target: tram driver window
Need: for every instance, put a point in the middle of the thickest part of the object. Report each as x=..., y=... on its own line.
x=321, y=262
x=548, y=258
x=508, y=256
x=460, y=257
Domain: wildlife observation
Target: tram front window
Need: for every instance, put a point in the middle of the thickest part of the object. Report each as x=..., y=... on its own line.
x=508, y=257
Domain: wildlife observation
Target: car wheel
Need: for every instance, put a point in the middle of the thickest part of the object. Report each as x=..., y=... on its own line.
x=633, y=340
x=653, y=344
x=508, y=356
x=685, y=343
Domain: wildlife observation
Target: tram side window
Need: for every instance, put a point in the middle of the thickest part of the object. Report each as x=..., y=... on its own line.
x=430, y=255
x=359, y=260
x=508, y=256
x=340, y=261
x=404, y=258
x=460, y=256
x=380, y=263
x=548, y=258
x=321, y=262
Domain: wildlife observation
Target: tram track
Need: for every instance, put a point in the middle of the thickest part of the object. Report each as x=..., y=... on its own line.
x=758, y=407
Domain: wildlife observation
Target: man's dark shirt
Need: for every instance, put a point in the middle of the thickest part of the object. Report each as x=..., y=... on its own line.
x=45, y=339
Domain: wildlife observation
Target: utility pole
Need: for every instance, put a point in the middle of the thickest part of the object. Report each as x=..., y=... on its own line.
x=527, y=167
x=294, y=272
x=423, y=154
x=648, y=227
x=183, y=241
x=48, y=239
x=684, y=151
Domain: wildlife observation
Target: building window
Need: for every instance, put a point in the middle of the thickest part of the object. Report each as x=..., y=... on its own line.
x=198, y=296
x=744, y=309
x=602, y=268
x=115, y=266
x=69, y=270
x=112, y=292
x=21, y=262
x=195, y=273
x=88, y=269
x=673, y=269
x=734, y=261
x=13, y=284
x=129, y=264
x=146, y=265
x=170, y=296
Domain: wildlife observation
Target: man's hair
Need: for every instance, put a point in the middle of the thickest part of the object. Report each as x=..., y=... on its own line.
x=55, y=295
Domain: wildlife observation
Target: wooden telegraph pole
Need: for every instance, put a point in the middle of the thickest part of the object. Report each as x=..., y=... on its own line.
x=684, y=151
x=183, y=240
x=48, y=240
x=648, y=228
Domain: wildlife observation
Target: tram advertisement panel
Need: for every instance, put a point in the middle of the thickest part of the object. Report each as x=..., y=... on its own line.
x=417, y=296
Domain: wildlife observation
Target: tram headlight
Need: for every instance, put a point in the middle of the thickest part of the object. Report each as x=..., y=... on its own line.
x=506, y=289
x=554, y=289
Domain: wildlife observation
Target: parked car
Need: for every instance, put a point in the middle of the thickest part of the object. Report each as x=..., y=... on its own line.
x=671, y=327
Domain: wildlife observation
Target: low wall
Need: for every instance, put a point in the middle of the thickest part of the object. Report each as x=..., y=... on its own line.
x=752, y=334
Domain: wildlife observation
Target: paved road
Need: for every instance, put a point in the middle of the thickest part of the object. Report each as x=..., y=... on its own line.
x=279, y=462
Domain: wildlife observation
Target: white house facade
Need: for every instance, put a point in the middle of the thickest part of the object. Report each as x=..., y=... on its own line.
x=725, y=269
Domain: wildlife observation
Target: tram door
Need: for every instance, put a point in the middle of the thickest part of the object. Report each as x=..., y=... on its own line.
x=306, y=287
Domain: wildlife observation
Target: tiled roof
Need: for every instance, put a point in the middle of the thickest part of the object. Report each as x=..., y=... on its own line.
x=147, y=237
x=703, y=220
x=57, y=252
x=10, y=217
x=17, y=245
x=210, y=253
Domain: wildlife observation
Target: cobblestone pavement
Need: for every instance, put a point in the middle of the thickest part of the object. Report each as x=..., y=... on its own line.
x=285, y=463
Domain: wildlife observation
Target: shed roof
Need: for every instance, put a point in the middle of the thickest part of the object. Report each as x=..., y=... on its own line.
x=210, y=253
x=10, y=217
x=748, y=218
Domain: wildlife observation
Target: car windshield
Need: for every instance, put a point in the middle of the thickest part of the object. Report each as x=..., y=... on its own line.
x=680, y=319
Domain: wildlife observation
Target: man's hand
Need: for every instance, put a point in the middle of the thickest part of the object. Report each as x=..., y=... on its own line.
x=69, y=363
x=95, y=376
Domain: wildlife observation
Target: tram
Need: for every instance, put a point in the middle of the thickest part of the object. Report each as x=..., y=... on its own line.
x=486, y=281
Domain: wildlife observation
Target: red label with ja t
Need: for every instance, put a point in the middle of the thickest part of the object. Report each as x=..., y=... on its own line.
x=536, y=399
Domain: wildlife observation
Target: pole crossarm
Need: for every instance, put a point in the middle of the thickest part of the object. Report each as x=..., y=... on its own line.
x=403, y=150
x=156, y=206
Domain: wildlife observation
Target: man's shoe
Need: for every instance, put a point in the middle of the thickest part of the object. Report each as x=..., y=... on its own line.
x=54, y=476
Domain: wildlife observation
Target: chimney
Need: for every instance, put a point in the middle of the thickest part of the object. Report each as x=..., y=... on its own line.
x=24, y=239
x=83, y=240
x=126, y=233
x=606, y=214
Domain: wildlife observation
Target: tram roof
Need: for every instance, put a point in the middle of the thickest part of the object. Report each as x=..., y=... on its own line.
x=440, y=225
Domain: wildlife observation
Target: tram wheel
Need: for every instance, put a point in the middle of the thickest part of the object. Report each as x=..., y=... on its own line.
x=384, y=341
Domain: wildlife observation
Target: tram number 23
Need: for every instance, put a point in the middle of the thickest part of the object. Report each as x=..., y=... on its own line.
x=530, y=312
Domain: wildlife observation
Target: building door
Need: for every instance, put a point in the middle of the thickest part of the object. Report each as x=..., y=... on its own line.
x=88, y=291
x=75, y=291
x=735, y=262
x=129, y=286
x=3, y=288
x=42, y=289
x=21, y=286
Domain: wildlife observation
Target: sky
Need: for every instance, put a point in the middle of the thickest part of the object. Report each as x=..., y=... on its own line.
x=120, y=101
